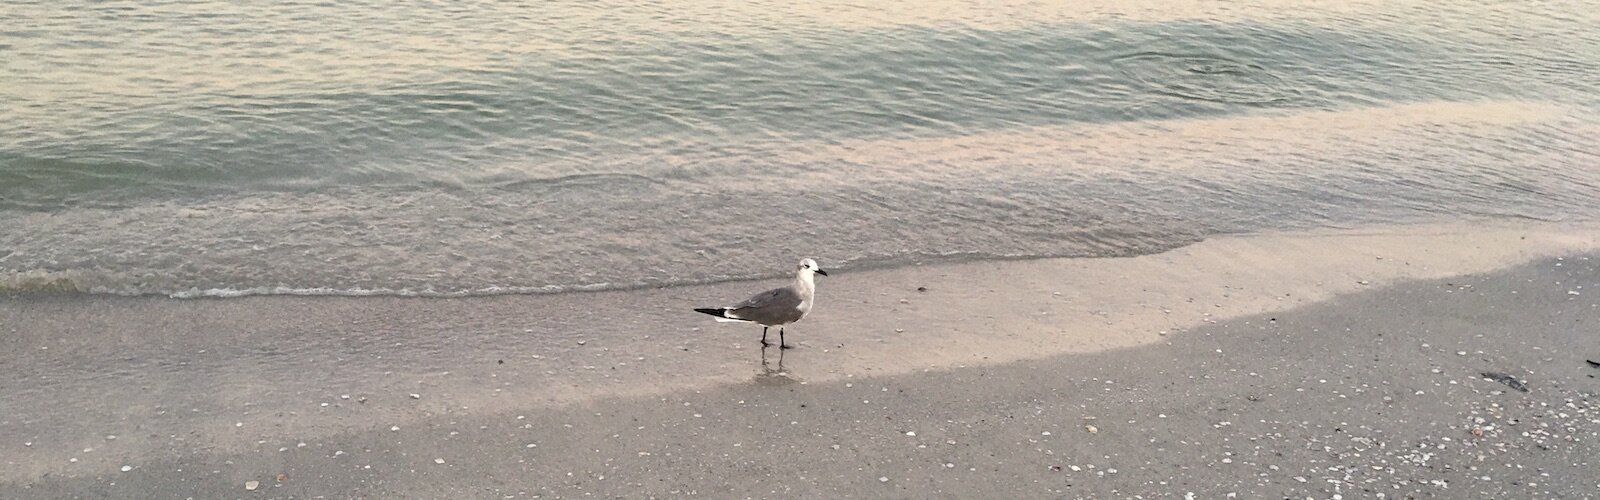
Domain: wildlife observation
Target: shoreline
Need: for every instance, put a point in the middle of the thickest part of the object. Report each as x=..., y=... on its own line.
x=234, y=376
x=1132, y=187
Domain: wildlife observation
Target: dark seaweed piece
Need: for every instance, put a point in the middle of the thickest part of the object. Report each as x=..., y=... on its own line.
x=1508, y=380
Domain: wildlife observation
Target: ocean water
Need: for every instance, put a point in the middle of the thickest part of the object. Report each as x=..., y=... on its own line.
x=437, y=148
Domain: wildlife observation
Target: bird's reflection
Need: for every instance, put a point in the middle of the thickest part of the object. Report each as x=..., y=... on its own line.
x=773, y=373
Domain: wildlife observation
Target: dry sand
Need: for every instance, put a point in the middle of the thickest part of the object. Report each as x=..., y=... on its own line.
x=1274, y=358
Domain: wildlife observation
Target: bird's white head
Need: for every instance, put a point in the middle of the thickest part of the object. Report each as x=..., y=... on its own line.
x=808, y=266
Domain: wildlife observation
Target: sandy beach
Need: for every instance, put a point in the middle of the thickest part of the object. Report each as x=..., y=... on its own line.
x=1326, y=364
x=1109, y=249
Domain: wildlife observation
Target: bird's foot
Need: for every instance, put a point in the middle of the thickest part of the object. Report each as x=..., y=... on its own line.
x=767, y=344
x=786, y=346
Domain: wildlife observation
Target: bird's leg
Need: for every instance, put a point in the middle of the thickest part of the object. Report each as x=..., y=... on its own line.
x=764, y=336
x=781, y=343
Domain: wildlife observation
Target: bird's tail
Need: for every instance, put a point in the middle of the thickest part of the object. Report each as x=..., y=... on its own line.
x=718, y=312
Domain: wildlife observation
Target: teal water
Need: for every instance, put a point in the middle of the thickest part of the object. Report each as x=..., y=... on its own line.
x=225, y=148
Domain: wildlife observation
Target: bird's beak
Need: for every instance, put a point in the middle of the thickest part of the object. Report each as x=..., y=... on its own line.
x=821, y=272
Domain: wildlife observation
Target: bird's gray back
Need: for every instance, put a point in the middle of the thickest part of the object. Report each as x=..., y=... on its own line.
x=778, y=306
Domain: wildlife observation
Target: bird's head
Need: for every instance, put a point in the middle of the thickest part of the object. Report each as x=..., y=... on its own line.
x=808, y=265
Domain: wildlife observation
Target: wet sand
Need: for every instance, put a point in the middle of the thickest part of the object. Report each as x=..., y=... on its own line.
x=1306, y=364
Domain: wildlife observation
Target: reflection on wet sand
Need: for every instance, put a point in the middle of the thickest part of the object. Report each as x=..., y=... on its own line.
x=772, y=373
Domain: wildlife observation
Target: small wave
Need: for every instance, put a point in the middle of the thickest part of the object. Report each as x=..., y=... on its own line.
x=52, y=283
x=225, y=293
x=579, y=180
x=1204, y=77
x=40, y=282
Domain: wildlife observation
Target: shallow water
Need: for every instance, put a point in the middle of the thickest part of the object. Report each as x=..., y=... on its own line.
x=195, y=149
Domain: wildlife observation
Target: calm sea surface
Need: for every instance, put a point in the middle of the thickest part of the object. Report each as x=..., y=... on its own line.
x=456, y=148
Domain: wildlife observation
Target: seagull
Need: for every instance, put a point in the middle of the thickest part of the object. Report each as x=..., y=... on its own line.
x=775, y=307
